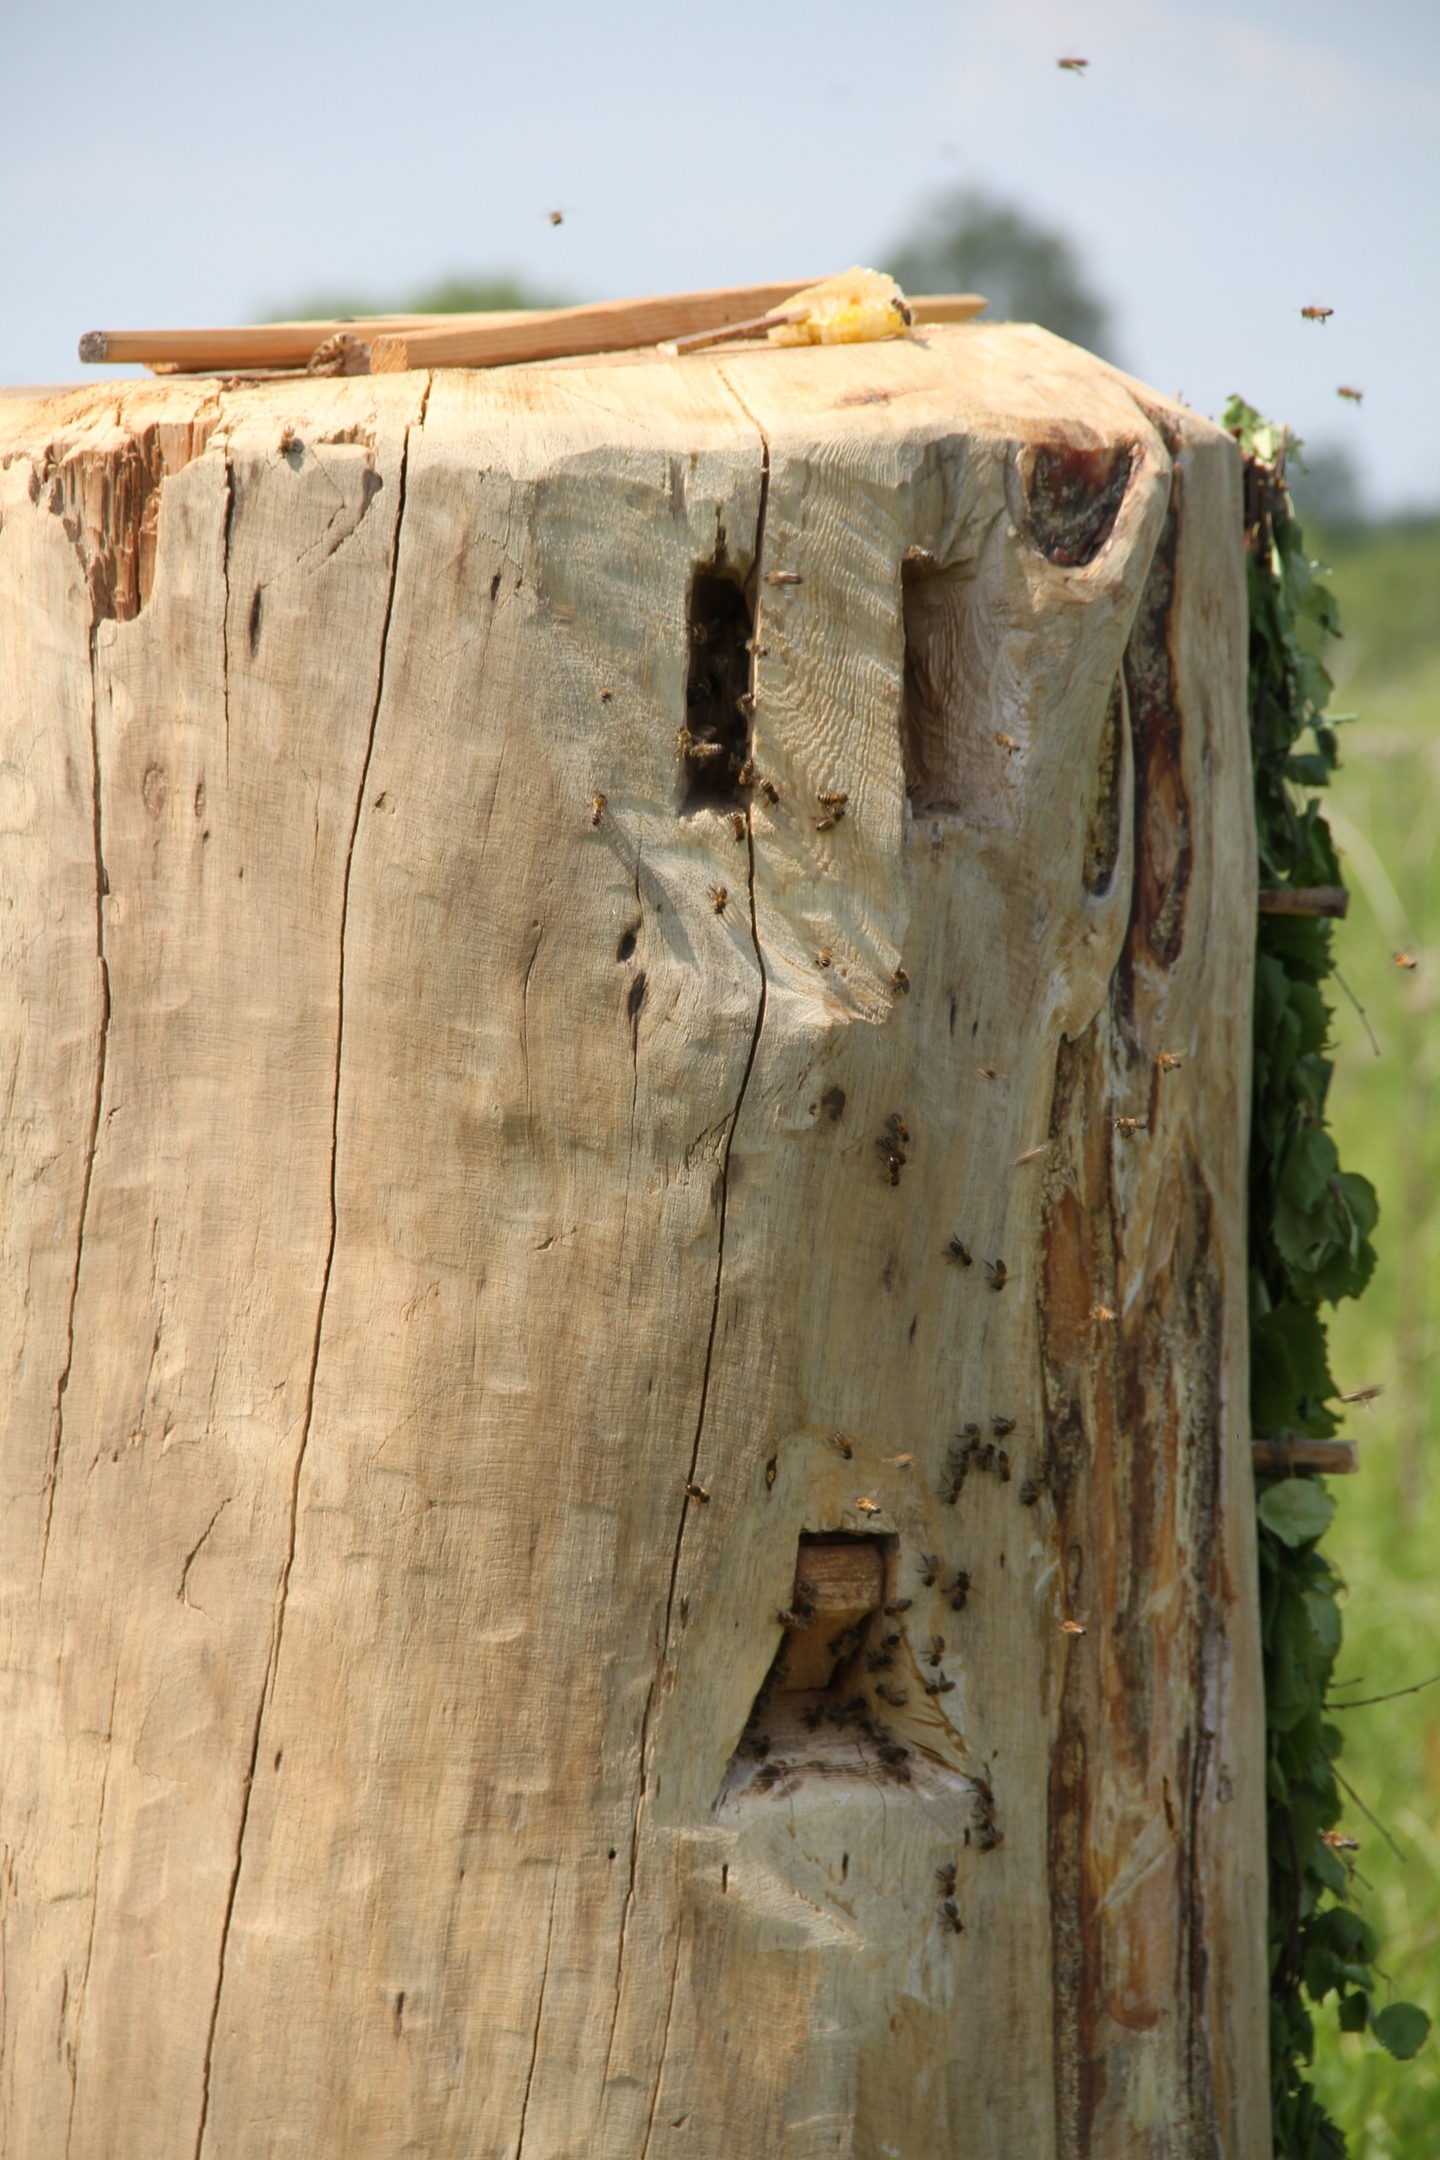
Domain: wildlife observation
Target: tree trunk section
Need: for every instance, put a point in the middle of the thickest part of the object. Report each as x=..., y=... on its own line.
x=625, y=1004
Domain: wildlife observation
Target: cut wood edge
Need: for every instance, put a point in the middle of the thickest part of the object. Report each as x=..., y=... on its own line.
x=955, y=307
x=259, y=345
x=1331, y=900
x=1333, y=1458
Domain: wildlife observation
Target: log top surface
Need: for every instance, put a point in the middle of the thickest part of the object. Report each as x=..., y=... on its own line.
x=992, y=378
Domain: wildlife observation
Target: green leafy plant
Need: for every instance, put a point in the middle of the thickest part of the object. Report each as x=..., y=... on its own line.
x=1310, y=1225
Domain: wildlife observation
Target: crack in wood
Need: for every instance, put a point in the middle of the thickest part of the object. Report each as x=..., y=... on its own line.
x=277, y=1634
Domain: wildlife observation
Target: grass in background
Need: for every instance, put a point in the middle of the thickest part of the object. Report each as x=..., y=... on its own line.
x=1384, y=809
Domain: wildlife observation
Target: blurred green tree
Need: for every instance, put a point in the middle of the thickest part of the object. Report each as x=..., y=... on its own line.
x=971, y=241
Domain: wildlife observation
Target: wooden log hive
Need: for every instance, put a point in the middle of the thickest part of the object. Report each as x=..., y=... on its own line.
x=628, y=1525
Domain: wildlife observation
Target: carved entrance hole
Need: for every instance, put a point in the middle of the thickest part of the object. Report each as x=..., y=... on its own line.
x=823, y=1708
x=718, y=703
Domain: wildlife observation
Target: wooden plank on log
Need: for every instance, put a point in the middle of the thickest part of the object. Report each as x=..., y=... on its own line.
x=1304, y=900
x=560, y=333
x=1336, y=1458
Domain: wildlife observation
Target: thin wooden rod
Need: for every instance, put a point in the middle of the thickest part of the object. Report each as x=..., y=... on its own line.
x=1336, y=1458
x=1304, y=900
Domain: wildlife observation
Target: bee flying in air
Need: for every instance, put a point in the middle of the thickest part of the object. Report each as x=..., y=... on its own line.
x=1072, y=64
x=1128, y=1126
x=841, y=1443
x=1365, y=1395
x=1008, y=744
x=1101, y=1312
x=556, y=217
x=1404, y=960
x=867, y=1506
x=1169, y=1060
x=1351, y=395
x=1316, y=314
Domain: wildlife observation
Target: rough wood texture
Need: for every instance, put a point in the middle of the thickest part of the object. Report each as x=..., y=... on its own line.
x=481, y=1188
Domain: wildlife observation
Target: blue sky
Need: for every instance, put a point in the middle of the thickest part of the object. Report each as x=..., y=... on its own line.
x=1222, y=164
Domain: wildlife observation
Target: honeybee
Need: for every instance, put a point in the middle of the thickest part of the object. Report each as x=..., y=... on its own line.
x=1317, y=314
x=841, y=1443
x=830, y=820
x=1008, y=744
x=1002, y=1426
x=936, y=1650
x=1350, y=393
x=890, y=1693
x=769, y=790
x=970, y=1433
x=1365, y=1395
x=1129, y=1126
x=1030, y=1492
x=959, y=1253
x=783, y=577
x=606, y=694
x=950, y=1912
x=823, y=957
x=1072, y=1627
x=1338, y=1842
x=959, y=1590
x=945, y=1876
x=1002, y=1466
x=900, y=979
x=939, y=1686
x=867, y=1506
x=597, y=808
x=1029, y=1154
x=996, y=1274
x=894, y=1158
x=289, y=440
x=878, y=1661
x=1073, y=65
x=719, y=894
x=1404, y=960
x=898, y=1605
x=1169, y=1060
x=929, y=1570
x=1101, y=1312
x=736, y=823
x=696, y=1492
x=556, y=217
x=987, y=1072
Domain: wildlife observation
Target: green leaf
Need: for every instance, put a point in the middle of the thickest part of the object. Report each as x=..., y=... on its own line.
x=1297, y=1510
x=1354, y=2012
x=1401, y=2028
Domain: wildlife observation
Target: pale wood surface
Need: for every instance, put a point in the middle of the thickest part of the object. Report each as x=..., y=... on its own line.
x=450, y=1186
